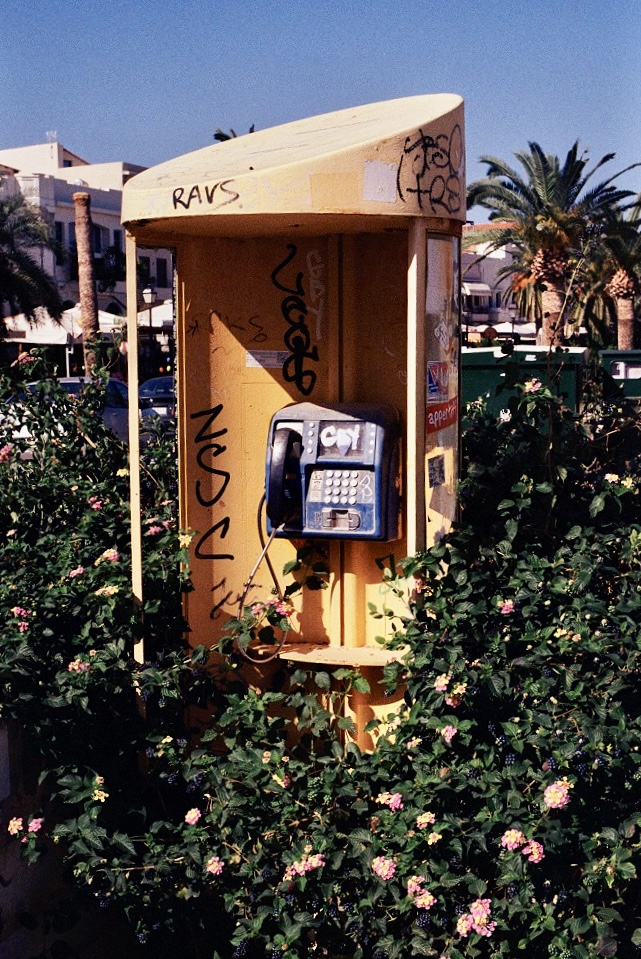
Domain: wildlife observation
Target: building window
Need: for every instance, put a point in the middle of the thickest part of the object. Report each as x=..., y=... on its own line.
x=60, y=240
x=100, y=236
x=162, y=274
x=144, y=271
x=73, y=253
x=118, y=240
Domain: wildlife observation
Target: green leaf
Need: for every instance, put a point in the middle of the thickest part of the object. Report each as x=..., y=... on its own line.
x=543, y=487
x=323, y=680
x=361, y=685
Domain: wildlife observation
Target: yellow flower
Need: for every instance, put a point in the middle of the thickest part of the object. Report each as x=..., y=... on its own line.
x=184, y=539
x=122, y=472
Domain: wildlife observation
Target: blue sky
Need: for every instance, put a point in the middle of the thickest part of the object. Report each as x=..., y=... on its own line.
x=145, y=82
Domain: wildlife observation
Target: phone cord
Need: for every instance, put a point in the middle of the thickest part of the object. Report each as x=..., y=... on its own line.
x=248, y=584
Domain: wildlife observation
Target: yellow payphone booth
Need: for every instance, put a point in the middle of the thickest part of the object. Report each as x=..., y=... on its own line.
x=317, y=285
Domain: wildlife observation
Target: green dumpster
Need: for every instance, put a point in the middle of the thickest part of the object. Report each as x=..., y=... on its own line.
x=490, y=374
x=624, y=366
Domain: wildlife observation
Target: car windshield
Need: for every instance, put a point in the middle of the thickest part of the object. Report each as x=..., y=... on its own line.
x=73, y=388
x=116, y=393
x=159, y=386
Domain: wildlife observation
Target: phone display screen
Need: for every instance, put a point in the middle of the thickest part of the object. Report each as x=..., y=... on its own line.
x=341, y=439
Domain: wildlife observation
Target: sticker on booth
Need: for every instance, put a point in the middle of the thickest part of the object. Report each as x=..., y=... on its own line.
x=438, y=382
x=436, y=471
x=441, y=415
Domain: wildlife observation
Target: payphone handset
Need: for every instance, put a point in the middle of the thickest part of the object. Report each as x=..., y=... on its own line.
x=332, y=471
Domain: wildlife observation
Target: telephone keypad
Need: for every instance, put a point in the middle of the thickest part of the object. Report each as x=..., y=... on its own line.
x=341, y=486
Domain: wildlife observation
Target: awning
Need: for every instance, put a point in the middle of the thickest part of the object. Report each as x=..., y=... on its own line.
x=162, y=315
x=475, y=289
x=45, y=331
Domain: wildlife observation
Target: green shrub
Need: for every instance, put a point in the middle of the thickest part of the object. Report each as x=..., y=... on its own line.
x=499, y=811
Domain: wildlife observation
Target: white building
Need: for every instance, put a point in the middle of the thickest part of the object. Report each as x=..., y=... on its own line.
x=48, y=175
x=486, y=296
x=487, y=299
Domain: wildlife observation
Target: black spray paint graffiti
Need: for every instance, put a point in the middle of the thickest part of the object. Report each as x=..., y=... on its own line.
x=216, y=195
x=297, y=336
x=207, y=450
x=418, y=170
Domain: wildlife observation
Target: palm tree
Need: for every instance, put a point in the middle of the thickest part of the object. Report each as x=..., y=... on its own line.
x=221, y=135
x=623, y=283
x=551, y=217
x=86, y=279
x=24, y=284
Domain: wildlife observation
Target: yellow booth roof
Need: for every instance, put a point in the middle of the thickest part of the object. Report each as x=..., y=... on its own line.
x=397, y=158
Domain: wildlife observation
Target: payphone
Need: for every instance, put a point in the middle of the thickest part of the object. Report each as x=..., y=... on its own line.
x=333, y=471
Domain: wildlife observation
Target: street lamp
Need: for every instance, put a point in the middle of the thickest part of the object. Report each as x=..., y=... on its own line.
x=512, y=312
x=150, y=295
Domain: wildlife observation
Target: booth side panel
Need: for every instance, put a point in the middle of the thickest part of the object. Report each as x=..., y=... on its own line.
x=442, y=401
x=255, y=333
x=374, y=362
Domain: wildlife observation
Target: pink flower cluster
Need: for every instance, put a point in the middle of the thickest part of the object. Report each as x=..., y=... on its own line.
x=192, y=816
x=384, y=868
x=78, y=571
x=514, y=839
x=455, y=696
x=423, y=898
x=95, y=502
x=22, y=615
x=5, y=452
x=306, y=864
x=448, y=733
x=16, y=825
x=214, y=865
x=393, y=801
x=477, y=919
x=557, y=795
x=280, y=606
x=77, y=666
x=108, y=556
x=532, y=386
x=534, y=851
x=425, y=819
x=506, y=606
x=441, y=682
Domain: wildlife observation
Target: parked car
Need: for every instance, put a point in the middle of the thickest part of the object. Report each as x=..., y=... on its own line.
x=16, y=419
x=157, y=396
x=116, y=410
